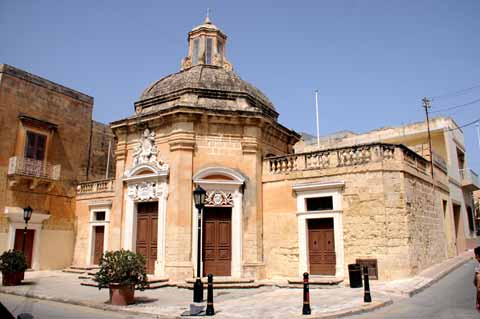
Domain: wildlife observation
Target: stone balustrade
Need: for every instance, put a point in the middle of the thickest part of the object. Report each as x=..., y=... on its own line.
x=95, y=186
x=343, y=157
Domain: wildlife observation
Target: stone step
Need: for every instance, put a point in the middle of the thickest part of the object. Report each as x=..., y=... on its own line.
x=73, y=271
x=154, y=282
x=316, y=282
x=223, y=280
x=223, y=286
x=85, y=268
x=154, y=279
x=150, y=286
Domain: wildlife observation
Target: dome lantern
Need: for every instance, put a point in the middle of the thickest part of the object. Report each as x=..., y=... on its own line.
x=206, y=45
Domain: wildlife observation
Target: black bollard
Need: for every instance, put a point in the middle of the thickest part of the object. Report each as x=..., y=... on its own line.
x=306, y=296
x=210, y=311
x=366, y=297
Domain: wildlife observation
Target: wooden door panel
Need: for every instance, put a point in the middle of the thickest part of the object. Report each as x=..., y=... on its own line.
x=18, y=244
x=153, y=233
x=147, y=233
x=321, y=245
x=98, y=247
x=217, y=244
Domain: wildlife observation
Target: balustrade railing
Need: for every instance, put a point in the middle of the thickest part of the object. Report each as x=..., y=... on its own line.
x=342, y=157
x=95, y=186
x=29, y=167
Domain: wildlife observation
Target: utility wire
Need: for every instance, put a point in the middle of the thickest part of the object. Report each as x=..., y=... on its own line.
x=456, y=106
x=464, y=125
x=456, y=93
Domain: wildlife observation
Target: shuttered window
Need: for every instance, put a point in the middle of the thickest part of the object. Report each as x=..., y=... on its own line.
x=35, y=146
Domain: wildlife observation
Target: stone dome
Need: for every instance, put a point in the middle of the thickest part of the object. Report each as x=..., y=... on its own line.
x=209, y=79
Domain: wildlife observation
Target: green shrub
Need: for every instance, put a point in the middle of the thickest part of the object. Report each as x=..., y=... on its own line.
x=122, y=267
x=12, y=261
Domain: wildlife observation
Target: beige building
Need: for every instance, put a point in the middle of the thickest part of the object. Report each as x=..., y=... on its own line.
x=449, y=155
x=270, y=212
x=44, y=153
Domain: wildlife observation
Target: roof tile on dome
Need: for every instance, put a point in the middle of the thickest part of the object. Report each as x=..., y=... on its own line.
x=205, y=77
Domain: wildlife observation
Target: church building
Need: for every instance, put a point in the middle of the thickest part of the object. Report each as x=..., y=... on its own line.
x=270, y=213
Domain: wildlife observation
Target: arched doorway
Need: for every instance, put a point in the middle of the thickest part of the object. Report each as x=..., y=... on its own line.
x=221, y=251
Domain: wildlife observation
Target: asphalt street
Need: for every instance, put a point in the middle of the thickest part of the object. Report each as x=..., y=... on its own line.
x=43, y=309
x=453, y=297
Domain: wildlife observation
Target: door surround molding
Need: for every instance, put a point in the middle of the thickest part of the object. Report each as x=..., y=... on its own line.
x=98, y=206
x=15, y=217
x=320, y=189
x=232, y=184
x=146, y=182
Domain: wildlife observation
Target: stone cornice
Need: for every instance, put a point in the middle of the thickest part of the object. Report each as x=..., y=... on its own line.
x=49, y=85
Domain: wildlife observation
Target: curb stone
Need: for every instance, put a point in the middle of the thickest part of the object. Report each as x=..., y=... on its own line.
x=331, y=315
x=441, y=275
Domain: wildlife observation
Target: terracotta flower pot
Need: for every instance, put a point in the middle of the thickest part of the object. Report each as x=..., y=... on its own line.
x=12, y=278
x=121, y=295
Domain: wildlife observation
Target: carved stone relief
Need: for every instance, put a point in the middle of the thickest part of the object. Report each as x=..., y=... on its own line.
x=219, y=199
x=145, y=190
x=146, y=151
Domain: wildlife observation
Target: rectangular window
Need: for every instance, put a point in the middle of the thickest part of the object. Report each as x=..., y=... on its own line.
x=35, y=146
x=319, y=203
x=196, y=49
x=208, y=51
x=100, y=216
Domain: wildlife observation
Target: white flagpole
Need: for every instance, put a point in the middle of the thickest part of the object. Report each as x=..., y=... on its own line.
x=478, y=133
x=316, y=109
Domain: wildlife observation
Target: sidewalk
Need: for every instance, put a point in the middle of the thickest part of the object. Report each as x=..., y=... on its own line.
x=265, y=302
x=412, y=286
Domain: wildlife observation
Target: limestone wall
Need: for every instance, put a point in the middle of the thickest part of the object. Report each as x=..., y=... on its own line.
x=387, y=215
x=31, y=103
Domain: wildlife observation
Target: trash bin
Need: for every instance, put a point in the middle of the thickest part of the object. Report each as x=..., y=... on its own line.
x=355, y=275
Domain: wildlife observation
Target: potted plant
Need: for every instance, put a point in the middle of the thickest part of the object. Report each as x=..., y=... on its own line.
x=122, y=271
x=12, y=266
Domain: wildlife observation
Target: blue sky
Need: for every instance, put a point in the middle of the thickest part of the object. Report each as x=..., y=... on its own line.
x=372, y=61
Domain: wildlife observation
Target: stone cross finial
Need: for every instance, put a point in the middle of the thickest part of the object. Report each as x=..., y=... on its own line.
x=207, y=18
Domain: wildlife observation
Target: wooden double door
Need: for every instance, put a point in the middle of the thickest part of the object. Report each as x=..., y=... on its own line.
x=321, y=246
x=217, y=241
x=147, y=228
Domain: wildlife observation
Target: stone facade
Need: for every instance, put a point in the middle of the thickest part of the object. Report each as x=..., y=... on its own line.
x=268, y=206
x=384, y=203
x=449, y=155
x=29, y=103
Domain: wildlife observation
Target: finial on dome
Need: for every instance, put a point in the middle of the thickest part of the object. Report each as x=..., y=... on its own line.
x=207, y=18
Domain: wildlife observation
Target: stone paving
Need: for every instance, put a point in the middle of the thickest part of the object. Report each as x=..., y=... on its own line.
x=264, y=302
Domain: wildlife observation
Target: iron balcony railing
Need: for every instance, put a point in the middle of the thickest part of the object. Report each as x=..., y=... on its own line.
x=29, y=167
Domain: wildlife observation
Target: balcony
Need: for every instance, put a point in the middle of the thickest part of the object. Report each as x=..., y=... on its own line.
x=34, y=171
x=470, y=180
